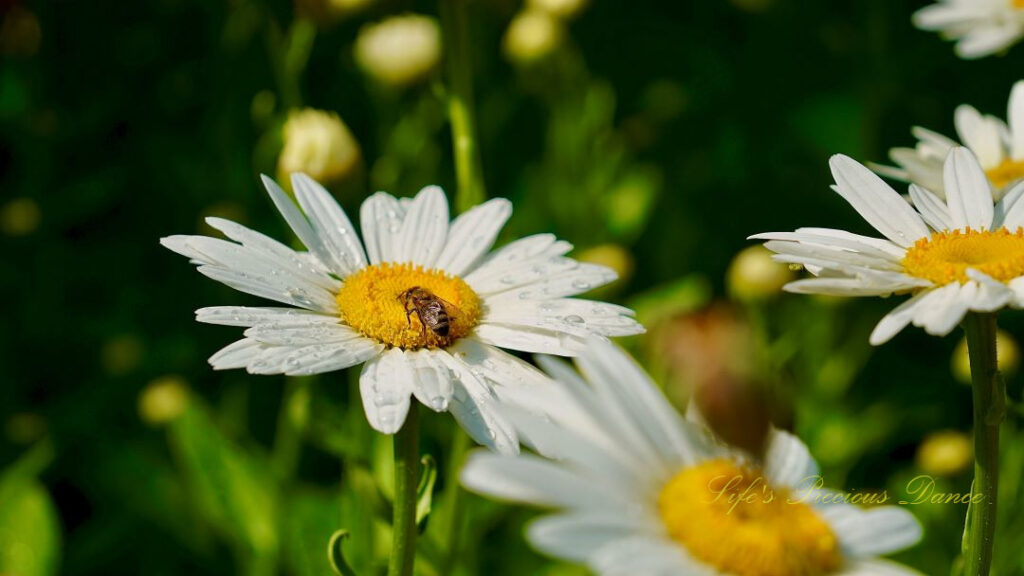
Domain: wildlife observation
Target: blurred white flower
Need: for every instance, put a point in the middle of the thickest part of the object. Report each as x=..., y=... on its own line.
x=399, y=51
x=639, y=490
x=998, y=146
x=961, y=254
x=320, y=144
x=425, y=308
x=532, y=36
x=981, y=27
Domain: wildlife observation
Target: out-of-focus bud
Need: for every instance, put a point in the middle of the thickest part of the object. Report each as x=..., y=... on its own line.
x=613, y=256
x=326, y=12
x=25, y=428
x=163, y=400
x=399, y=51
x=20, y=33
x=754, y=276
x=564, y=9
x=121, y=354
x=20, y=217
x=532, y=36
x=1007, y=357
x=319, y=144
x=945, y=453
x=735, y=409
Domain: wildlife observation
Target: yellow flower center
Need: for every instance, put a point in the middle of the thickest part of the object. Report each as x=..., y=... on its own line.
x=405, y=306
x=946, y=256
x=1010, y=170
x=728, y=517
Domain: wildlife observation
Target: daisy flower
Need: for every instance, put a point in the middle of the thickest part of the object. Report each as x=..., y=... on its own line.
x=998, y=146
x=964, y=253
x=981, y=27
x=639, y=490
x=424, y=308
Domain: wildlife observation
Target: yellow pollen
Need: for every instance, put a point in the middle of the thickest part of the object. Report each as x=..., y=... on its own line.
x=1010, y=170
x=1019, y=4
x=373, y=302
x=728, y=517
x=945, y=256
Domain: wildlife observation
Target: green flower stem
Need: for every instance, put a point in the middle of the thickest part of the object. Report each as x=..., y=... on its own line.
x=407, y=474
x=453, y=498
x=468, y=171
x=989, y=410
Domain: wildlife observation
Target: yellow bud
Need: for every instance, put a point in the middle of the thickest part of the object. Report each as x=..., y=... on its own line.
x=1007, y=357
x=20, y=217
x=399, y=51
x=319, y=144
x=753, y=275
x=564, y=9
x=163, y=400
x=532, y=36
x=611, y=255
x=945, y=453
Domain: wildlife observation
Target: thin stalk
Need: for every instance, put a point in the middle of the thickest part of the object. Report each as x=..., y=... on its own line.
x=455, y=501
x=468, y=169
x=989, y=410
x=407, y=473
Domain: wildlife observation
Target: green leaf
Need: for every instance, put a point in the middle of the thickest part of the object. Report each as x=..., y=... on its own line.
x=337, y=556
x=234, y=490
x=29, y=530
x=425, y=491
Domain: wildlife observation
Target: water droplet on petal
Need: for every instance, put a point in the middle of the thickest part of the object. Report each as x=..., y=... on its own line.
x=580, y=284
x=574, y=319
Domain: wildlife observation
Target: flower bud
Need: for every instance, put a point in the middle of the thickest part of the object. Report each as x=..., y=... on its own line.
x=945, y=453
x=163, y=400
x=399, y=51
x=532, y=36
x=613, y=256
x=754, y=276
x=319, y=144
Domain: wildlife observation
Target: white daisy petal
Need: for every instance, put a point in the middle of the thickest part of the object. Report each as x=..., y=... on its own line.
x=567, y=313
x=251, y=316
x=1009, y=211
x=648, y=556
x=236, y=355
x=877, y=568
x=305, y=334
x=896, y=320
x=306, y=359
x=787, y=461
x=872, y=532
x=380, y=218
x=932, y=208
x=846, y=287
x=575, y=535
x=267, y=286
x=967, y=191
x=981, y=42
x=980, y=134
x=875, y=247
x=799, y=253
x=536, y=247
x=876, y=202
x=472, y=234
x=991, y=294
x=534, y=480
x=527, y=339
x=577, y=279
x=424, y=228
x=1015, y=117
x=432, y=379
x=385, y=386
x=941, y=309
x=297, y=222
x=475, y=406
x=331, y=225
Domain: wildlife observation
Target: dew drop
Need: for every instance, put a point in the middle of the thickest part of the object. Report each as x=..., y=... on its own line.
x=525, y=295
x=581, y=284
x=439, y=403
x=574, y=319
x=508, y=279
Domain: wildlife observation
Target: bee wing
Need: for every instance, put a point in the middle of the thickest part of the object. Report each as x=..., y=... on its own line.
x=450, y=308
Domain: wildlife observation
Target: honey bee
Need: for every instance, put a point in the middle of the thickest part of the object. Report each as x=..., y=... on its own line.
x=433, y=311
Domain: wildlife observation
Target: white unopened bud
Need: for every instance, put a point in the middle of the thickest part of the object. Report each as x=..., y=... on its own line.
x=532, y=36
x=319, y=144
x=564, y=9
x=399, y=51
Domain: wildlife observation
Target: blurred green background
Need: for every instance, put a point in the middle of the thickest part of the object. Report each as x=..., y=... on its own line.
x=655, y=136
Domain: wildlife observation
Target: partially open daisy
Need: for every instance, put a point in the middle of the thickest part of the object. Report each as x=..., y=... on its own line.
x=956, y=255
x=424, y=308
x=981, y=27
x=638, y=490
x=999, y=148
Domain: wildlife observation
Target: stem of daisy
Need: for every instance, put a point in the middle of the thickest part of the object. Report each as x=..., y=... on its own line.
x=989, y=409
x=468, y=170
x=407, y=474
x=453, y=497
